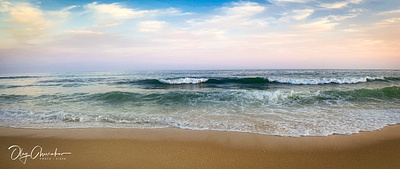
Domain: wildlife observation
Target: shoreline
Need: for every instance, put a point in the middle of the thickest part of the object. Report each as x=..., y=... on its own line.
x=180, y=148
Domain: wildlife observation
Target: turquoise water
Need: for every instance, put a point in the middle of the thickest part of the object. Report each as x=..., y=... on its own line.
x=274, y=102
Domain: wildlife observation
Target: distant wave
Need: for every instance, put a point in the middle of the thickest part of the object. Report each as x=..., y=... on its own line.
x=73, y=80
x=254, y=81
x=260, y=80
x=187, y=80
x=203, y=80
x=18, y=77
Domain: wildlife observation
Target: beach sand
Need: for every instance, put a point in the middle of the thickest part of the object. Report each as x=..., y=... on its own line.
x=177, y=148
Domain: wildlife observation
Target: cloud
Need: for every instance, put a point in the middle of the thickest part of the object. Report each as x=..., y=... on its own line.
x=87, y=41
x=114, y=11
x=244, y=9
x=296, y=15
x=297, y=1
x=109, y=16
x=325, y=24
x=240, y=16
x=334, y=5
x=389, y=22
x=69, y=8
x=337, y=5
x=61, y=14
x=4, y=6
x=26, y=15
x=209, y=32
x=84, y=32
x=358, y=10
x=28, y=22
x=302, y=14
x=168, y=12
x=341, y=17
x=355, y=1
x=319, y=26
x=389, y=12
x=151, y=26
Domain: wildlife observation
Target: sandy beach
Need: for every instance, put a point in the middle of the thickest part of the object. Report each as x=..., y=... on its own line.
x=177, y=148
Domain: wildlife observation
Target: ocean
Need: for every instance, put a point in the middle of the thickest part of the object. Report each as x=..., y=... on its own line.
x=273, y=102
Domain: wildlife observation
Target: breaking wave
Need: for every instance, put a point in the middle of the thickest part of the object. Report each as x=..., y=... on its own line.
x=259, y=80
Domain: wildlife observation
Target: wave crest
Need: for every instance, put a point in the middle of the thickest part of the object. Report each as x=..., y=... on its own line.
x=257, y=81
x=184, y=80
x=325, y=80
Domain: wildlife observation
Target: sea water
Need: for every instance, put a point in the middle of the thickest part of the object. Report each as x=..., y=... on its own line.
x=273, y=102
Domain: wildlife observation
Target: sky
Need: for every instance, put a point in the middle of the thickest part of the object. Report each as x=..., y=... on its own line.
x=72, y=35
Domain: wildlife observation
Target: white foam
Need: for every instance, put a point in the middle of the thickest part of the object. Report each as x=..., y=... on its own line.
x=184, y=80
x=295, y=124
x=325, y=80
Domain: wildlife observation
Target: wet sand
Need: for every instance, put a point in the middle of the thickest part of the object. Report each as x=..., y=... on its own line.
x=176, y=148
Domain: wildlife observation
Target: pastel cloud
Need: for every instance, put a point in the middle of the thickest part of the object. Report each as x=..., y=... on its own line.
x=28, y=22
x=4, y=6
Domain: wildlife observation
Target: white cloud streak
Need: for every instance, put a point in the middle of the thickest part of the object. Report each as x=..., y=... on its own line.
x=120, y=12
x=114, y=11
x=302, y=14
x=389, y=12
x=340, y=4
